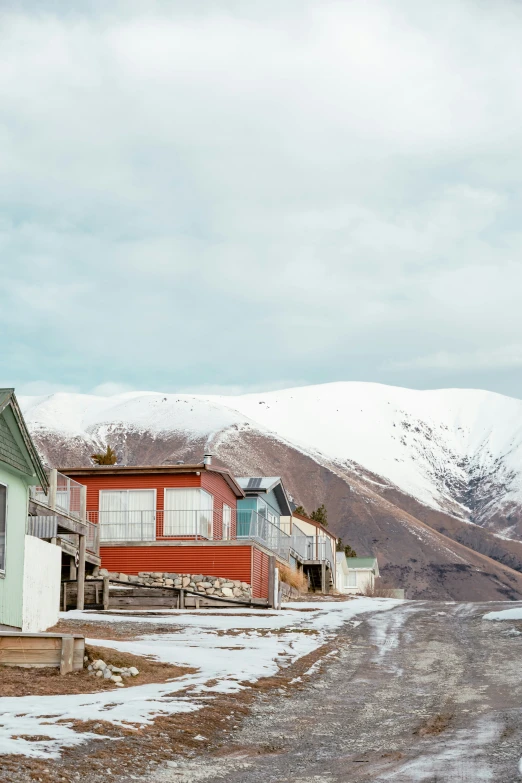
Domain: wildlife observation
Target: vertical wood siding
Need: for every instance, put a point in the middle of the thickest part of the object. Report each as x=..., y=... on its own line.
x=232, y=562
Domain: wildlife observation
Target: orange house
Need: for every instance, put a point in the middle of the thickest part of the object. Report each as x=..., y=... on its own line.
x=172, y=518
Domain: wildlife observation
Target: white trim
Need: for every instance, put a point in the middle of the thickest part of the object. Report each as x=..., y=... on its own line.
x=3, y=570
x=127, y=490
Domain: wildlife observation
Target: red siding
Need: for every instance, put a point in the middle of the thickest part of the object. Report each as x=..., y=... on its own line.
x=260, y=574
x=157, y=481
x=233, y=562
x=217, y=486
x=211, y=482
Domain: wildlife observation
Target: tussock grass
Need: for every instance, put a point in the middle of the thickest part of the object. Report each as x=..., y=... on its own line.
x=294, y=578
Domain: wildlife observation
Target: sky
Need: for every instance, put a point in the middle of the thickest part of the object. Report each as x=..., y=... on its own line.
x=233, y=196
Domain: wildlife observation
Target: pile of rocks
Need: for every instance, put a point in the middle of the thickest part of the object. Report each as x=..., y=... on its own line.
x=106, y=671
x=206, y=585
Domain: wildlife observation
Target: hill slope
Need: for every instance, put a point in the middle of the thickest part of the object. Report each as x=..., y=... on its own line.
x=405, y=474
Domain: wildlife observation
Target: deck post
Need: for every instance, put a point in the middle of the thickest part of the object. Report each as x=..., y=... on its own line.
x=80, y=598
x=83, y=503
x=105, y=599
x=323, y=576
x=72, y=568
x=53, y=485
x=66, y=659
x=181, y=599
x=272, y=600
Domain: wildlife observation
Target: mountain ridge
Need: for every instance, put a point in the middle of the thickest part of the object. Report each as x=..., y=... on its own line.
x=390, y=466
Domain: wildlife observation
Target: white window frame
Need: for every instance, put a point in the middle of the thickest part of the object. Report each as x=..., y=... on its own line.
x=197, y=489
x=6, y=487
x=127, y=490
x=351, y=576
x=226, y=536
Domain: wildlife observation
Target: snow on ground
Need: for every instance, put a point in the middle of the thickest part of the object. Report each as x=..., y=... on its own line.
x=505, y=614
x=231, y=648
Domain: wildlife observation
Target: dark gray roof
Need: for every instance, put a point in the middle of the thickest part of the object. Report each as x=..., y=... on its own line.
x=8, y=398
x=261, y=485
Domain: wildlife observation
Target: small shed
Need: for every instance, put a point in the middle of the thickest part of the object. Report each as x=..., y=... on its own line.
x=355, y=575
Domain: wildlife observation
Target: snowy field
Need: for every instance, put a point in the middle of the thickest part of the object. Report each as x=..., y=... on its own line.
x=227, y=651
x=505, y=614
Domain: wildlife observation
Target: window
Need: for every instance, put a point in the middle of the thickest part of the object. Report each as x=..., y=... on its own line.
x=188, y=512
x=3, y=524
x=127, y=515
x=227, y=522
x=350, y=579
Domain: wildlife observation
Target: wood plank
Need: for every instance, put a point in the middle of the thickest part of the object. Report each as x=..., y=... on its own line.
x=66, y=658
x=141, y=592
x=42, y=657
x=150, y=601
x=31, y=643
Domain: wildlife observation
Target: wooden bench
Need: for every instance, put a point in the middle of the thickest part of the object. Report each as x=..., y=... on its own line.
x=28, y=650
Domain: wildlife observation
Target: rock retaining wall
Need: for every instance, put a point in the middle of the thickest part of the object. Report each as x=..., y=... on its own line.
x=206, y=585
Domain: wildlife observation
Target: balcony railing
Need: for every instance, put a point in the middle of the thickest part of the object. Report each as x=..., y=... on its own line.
x=68, y=496
x=150, y=525
x=325, y=551
x=256, y=527
x=207, y=525
x=47, y=528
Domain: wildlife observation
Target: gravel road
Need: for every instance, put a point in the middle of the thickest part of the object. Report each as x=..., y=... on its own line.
x=425, y=692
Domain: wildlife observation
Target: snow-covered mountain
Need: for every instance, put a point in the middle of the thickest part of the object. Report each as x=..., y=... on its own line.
x=454, y=450
x=419, y=478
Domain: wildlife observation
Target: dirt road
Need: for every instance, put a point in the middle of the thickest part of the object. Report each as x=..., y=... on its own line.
x=425, y=692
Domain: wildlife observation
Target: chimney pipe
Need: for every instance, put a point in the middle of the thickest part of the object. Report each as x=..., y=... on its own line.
x=207, y=459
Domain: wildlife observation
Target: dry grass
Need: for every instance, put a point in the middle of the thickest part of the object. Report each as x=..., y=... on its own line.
x=378, y=590
x=435, y=724
x=294, y=578
x=19, y=681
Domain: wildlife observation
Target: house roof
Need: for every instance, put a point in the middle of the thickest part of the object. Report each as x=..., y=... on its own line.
x=262, y=485
x=315, y=524
x=8, y=400
x=135, y=470
x=356, y=563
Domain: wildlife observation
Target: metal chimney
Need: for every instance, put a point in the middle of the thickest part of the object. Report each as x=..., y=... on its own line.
x=207, y=459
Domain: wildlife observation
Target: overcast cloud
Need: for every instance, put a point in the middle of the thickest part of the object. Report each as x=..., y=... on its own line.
x=250, y=195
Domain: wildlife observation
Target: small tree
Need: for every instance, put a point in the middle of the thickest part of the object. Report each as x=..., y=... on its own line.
x=106, y=458
x=346, y=548
x=301, y=510
x=320, y=515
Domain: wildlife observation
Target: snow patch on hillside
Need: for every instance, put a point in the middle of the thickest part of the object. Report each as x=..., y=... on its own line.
x=454, y=450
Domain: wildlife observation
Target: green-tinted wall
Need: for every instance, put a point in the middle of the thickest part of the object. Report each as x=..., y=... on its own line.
x=11, y=583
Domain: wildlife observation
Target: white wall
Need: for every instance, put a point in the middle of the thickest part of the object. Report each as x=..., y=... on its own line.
x=41, y=591
x=364, y=577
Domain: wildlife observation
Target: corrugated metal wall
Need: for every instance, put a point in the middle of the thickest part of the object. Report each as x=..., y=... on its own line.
x=260, y=563
x=233, y=562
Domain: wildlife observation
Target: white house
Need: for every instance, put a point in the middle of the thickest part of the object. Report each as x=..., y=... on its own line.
x=355, y=574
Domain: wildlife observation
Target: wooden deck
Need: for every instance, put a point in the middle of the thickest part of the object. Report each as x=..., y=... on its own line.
x=63, y=651
x=105, y=594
